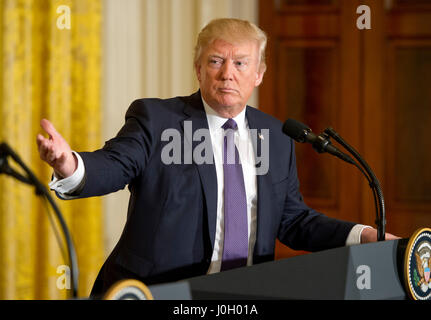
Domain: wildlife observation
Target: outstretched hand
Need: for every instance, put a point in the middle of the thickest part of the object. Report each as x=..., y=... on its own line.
x=55, y=151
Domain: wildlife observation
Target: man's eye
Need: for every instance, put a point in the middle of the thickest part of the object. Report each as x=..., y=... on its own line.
x=241, y=64
x=215, y=62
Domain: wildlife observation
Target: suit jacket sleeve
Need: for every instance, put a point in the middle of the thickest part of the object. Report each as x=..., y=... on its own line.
x=303, y=228
x=122, y=158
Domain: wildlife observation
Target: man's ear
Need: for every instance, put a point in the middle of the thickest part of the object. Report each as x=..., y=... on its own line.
x=198, y=71
x=259, y=78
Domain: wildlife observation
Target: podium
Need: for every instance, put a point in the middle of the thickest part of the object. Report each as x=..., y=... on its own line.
x=367, y=271
x=384, y=270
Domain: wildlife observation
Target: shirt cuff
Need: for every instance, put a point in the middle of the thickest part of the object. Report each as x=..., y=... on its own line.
x=354, y=236
x=64, y=187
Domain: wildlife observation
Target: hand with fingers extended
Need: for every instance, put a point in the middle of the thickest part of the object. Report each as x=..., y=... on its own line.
x=56, y=151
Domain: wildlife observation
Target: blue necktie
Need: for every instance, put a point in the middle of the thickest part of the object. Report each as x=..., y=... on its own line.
x=235, y=247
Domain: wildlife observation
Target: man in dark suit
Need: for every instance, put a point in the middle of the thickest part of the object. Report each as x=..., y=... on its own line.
x=195, y=208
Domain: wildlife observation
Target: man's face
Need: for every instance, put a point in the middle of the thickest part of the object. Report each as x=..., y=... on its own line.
x=227, y=75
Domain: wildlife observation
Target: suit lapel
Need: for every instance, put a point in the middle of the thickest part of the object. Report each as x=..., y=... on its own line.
x=264, y=186
x=196, y=118
x=195, y=113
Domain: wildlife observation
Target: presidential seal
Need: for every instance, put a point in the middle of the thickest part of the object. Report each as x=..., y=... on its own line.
x=417, y=264
x=129, y=289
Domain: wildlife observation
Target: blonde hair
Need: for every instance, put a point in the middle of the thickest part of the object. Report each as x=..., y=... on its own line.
x=232, y=31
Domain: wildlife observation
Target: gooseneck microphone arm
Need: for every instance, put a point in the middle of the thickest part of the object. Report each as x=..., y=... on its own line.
x=31, y=179
x=374, y=183
x=321, y=143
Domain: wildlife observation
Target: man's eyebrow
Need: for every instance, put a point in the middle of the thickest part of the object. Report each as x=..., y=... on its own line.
x=216, y=56
x=241, y=56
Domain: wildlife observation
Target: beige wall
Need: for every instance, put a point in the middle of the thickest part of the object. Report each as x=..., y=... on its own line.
x=148, y=50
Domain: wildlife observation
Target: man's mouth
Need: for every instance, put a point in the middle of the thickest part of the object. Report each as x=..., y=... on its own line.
x=227, y=90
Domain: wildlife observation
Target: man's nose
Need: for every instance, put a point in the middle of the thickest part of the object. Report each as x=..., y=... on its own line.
x=227, y=71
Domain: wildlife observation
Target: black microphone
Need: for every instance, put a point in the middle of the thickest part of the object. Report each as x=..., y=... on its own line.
x=321, y=143
x=5, y=151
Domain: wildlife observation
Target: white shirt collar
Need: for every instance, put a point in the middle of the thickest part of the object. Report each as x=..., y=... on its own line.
x=215, y=122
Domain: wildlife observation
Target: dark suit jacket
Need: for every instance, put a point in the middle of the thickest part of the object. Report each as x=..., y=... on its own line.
x=171, y=222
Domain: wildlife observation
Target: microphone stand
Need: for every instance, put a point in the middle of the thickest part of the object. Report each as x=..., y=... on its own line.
x=373, y=182
x=31, y=179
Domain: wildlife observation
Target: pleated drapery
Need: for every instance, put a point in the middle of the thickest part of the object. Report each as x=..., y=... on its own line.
x=50, y=68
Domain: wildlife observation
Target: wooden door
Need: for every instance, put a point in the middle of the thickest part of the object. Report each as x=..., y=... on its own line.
x=397, y=110
x=324, y=71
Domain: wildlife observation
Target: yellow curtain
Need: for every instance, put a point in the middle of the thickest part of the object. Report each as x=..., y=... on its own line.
x=49, y=68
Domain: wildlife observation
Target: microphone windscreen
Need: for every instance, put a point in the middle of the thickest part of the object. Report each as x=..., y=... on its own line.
x=295, y=129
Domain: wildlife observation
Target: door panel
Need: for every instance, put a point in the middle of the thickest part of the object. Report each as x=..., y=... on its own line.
x=371, y=86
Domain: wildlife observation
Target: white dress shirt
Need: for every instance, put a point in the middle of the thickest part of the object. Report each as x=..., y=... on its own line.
x=243, y=142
